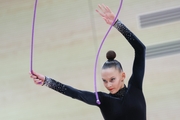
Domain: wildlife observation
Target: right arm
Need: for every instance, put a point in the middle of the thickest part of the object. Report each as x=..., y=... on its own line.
x=85, y=96
x=139, y=48
x=139, y=59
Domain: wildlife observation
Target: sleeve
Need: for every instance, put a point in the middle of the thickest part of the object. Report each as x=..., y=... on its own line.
x=85, y=96
x=139, y=60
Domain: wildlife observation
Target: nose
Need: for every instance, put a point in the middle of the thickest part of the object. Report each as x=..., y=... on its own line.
x=109, y=85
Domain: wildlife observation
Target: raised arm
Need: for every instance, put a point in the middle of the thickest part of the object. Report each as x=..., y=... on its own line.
x=85, y=96
x=139, y=60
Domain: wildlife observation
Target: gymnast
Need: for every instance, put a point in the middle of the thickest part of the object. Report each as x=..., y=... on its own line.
x=123, y=102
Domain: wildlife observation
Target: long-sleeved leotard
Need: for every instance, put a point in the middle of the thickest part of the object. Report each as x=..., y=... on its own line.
x=128, y=103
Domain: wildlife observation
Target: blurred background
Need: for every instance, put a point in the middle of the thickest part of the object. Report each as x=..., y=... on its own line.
x=67, y=36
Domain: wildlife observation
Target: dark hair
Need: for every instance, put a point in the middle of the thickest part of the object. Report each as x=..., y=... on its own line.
x=110, y=55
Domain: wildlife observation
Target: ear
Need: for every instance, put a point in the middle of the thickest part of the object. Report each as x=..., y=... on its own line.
x=123, y=75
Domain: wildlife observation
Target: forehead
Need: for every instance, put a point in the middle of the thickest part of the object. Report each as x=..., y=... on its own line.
x=109, y=72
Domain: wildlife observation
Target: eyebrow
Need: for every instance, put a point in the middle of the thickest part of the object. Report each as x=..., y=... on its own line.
x=110, y=78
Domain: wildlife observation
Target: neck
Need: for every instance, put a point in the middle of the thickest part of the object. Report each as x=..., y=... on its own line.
x=120, y=93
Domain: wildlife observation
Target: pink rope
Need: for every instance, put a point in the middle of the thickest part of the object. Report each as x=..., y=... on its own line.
x=97, y=56
x=32, y=39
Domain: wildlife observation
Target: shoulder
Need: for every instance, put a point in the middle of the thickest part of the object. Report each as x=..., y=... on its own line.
x=103, y=95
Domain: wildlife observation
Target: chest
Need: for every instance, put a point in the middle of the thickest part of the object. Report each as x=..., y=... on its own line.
x=131, y=105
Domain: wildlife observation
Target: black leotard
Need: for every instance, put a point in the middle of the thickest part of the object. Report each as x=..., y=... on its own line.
x=128, y=103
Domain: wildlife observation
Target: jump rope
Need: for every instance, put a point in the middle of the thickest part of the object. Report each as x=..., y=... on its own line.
x=97, y=55
x=32, y=38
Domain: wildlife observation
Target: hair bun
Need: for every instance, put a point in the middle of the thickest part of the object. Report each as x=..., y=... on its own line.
x=110, y=55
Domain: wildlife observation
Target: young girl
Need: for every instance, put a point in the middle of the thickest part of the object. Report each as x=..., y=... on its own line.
x=122, y=103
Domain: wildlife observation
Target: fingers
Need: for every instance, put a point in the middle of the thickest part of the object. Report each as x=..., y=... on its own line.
x=102, y=10
x=33, y=76
x=102, y=15
x=106, y=8
x=38, y=81
x=101, y=7
x=34, y=73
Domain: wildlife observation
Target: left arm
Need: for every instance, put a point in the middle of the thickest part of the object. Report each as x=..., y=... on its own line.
x=139, y=60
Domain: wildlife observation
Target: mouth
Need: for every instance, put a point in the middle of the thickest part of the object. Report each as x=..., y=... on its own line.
x=110, y=89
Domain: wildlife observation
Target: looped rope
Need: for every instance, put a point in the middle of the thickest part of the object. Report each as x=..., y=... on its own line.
x=97, y=56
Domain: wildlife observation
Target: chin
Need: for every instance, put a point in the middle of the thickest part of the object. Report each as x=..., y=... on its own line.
x=113, y=92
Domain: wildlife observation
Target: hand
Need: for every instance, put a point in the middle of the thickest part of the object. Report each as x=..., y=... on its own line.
x=106, y=14
x=38, y=78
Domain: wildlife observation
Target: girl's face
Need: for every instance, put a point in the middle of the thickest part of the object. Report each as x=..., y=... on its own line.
x=113, y=79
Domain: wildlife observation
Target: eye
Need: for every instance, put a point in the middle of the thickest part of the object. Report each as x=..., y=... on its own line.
x=104, y=81
x=112, y=79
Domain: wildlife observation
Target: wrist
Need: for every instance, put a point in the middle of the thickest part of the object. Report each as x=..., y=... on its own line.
x=117, y=23
x=46, y=81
